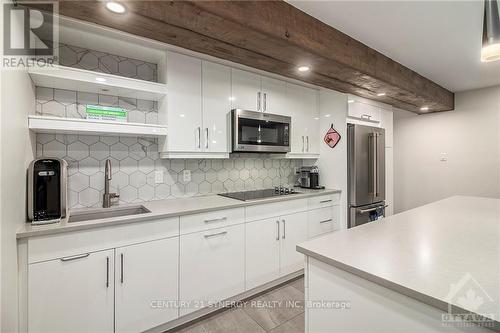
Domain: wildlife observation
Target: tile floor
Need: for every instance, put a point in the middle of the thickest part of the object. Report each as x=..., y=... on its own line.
x=280, y=310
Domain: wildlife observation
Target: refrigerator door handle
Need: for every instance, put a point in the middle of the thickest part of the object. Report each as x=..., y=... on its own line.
x=376, y=184
x=362, y=211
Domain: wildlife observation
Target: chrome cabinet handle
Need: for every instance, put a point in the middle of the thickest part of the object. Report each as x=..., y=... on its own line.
x=107, y=272
x=265, y=101
x=366, y=116
x=199, y=137
x=307, y=140
x=215, y=220
x=216, y=234
x=284, y=229
x=324, y=221
x=79, y=256
x=258, y=101
x=325, y=201
x=206, y=138
x=303, y=143
x=121, y=267
x=278, y=234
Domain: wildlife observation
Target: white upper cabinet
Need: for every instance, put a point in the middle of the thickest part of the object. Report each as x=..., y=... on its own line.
x=304, y=111
x=216, y=91
x=364, y=111
x=198, y=104
x=72, y=294
x=184, y=103
x=246, y=90
x=274, y=96
x=144, y=273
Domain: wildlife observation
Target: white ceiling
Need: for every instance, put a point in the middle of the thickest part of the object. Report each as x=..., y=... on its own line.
x=440, y=40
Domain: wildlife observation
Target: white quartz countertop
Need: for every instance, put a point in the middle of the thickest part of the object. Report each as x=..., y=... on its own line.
x=162, y=209
x=435, y=253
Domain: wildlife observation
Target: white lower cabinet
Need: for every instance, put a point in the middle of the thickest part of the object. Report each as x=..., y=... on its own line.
x=146, y=285
x=211, y=266
x=270, y=247
x=262, y=251
x=294, y=231
x=72, y=294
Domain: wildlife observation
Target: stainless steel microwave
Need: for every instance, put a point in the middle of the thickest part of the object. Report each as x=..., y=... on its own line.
x=260, y=132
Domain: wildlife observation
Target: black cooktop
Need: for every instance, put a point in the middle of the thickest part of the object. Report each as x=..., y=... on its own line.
x=259, y=194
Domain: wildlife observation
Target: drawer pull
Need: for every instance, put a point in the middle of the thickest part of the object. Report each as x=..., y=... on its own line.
x=79, y=256
x=325, y=201
x=217, y=234
x=215, y=220
x=329, y=220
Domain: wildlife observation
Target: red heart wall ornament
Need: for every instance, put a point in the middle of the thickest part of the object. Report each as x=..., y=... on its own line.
x=332, y=137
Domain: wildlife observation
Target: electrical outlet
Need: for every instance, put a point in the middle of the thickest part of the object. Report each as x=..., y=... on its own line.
x=158, y=177
x=187, y=175
x=444, y=157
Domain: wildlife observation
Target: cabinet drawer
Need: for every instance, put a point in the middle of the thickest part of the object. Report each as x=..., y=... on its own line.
x=322, y=220
x=265, y=211
x=212, y=266
x=211, y=220
x=72, y=243
x=324, y=201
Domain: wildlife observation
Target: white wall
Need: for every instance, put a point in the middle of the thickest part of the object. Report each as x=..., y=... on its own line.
x=16, y=151
x=469, y=136
x=332, y=164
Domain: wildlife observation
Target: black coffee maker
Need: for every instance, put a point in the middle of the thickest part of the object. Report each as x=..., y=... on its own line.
x=309, y=177
x=47, y=181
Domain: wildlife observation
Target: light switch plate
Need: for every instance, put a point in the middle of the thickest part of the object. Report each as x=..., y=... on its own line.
x=158, y=177
x=187, y=175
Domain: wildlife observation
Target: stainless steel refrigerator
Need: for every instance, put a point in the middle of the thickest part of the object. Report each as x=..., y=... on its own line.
x=366, y=174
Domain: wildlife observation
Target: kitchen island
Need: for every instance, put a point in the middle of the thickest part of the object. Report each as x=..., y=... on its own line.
x=435, y=268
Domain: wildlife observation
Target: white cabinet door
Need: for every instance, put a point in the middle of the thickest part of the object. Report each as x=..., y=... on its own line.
x=216, y=87
x=246, y=88
x=72, y=294
x=262, y=251
x=184, y=103
x=296, y=111
x=211, y=266
x=293, y=231
x=311, y=125
x=146, y=279
x=305, y=119
x=274, y=96
x=364, y=111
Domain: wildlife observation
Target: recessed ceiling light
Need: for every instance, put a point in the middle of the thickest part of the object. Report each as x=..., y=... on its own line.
x=303, y=68
x=100, y=79
x=327, y=115
x=381, y=94
x=116, y=7
x=350, y=101
x=424, y=108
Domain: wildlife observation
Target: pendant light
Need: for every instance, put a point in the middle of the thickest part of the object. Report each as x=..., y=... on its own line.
x=491, y=31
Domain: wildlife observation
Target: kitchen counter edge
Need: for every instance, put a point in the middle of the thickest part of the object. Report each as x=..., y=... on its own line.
x=29, y=230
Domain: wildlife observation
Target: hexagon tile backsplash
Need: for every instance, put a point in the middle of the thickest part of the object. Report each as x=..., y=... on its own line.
x=135, y=160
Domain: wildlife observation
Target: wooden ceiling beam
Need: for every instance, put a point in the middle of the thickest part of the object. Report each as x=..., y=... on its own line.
x=276, y=37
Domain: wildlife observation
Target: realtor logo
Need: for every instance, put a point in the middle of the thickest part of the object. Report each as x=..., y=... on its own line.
x=467, y=300
x=30, y=35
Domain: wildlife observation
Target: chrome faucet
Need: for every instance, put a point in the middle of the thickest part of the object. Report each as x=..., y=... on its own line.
x=106, y=198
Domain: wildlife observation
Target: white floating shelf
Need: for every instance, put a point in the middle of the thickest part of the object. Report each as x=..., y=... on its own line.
x=69, y=78
x=43, y=124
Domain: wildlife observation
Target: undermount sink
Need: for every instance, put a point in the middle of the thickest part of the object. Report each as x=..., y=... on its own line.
x=105, y=213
